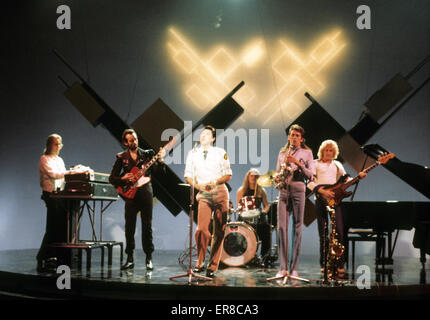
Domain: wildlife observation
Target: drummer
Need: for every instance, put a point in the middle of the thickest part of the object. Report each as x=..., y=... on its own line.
x=250, y=188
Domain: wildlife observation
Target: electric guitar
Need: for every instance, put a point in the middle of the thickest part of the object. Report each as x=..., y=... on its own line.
x=129, y=190
x=339, y=188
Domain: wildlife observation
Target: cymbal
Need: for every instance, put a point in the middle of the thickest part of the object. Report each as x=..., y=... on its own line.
x=266, y=180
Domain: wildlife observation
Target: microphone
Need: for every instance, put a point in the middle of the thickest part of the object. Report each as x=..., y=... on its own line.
x=193, y=150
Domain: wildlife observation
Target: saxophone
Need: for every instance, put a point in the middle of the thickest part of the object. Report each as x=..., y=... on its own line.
x=336, y=249
x=284, y=173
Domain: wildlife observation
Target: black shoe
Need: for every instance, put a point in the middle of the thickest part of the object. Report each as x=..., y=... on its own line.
x=210, y=273
x=149, y=265
x=199, y=269
x=128, y=265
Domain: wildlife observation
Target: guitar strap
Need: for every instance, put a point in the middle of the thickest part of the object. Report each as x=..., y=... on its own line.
x=336, y=163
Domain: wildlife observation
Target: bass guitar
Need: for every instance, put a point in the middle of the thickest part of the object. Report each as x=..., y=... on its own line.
x=339, y=188
x=129, y=190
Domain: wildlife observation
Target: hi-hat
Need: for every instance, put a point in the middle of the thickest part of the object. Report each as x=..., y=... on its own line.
x=266, y=180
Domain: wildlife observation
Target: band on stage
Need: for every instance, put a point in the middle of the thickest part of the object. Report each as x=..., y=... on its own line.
x=233, y=235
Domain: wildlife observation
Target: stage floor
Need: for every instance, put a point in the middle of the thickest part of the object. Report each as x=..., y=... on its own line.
x=19, y=277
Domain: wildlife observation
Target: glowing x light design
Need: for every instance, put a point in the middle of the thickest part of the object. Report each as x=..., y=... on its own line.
x=211, y=76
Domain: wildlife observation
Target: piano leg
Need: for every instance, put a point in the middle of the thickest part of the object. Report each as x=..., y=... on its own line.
x=383, y=246
x=423, y=276
x=379, y=249
x=391, y=246
x=423, y=253
x=423, y=246
x=88, y=250
x=423, y=257
x=353, y=259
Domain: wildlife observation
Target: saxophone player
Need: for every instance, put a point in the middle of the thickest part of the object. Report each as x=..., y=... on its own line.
x=327, y=170
x=295, y=167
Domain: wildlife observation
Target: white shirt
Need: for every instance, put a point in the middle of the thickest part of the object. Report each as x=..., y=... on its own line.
x=51, y=173
x=213, y=167
x=326, y=173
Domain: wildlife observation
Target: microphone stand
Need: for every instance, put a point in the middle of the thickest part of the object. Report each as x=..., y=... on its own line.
x=190, y=273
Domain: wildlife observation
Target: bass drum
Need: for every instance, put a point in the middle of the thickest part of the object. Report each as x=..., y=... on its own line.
x=240, y=244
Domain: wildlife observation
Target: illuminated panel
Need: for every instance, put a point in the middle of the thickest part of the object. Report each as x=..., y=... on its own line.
x=212, y=75
x=221, y=64
x=210, y=78
x=184, y=60
x=298, y=76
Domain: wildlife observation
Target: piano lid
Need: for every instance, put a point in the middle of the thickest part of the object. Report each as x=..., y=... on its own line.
x=417, y=176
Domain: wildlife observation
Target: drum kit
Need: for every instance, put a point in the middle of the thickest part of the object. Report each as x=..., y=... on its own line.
x=240, y=238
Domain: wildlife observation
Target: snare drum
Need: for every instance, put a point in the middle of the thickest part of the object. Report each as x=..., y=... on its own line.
x=249, y=210
x=240, y=244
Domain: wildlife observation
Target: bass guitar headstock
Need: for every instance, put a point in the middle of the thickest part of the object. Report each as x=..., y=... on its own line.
x=383, y=158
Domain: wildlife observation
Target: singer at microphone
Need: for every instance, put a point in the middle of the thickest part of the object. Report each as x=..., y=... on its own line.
x=207, y=169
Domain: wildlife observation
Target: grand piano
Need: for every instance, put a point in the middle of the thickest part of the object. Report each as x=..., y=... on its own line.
x=386, y=217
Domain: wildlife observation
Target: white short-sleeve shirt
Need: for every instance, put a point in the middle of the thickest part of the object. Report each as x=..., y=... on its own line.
x=327, y=173
x=207, y=166
x=51, y=173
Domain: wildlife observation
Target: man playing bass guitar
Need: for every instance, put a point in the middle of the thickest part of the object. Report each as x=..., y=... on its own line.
x=327, y=171
x=330, y=187
x=122, y=176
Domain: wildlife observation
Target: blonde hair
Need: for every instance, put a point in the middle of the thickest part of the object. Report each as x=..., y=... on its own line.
x=50, y=141
x=324, y=146
x=245, y=184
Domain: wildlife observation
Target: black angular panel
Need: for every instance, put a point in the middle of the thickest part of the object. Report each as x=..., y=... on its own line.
x=388, y=96
x=319, y=125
